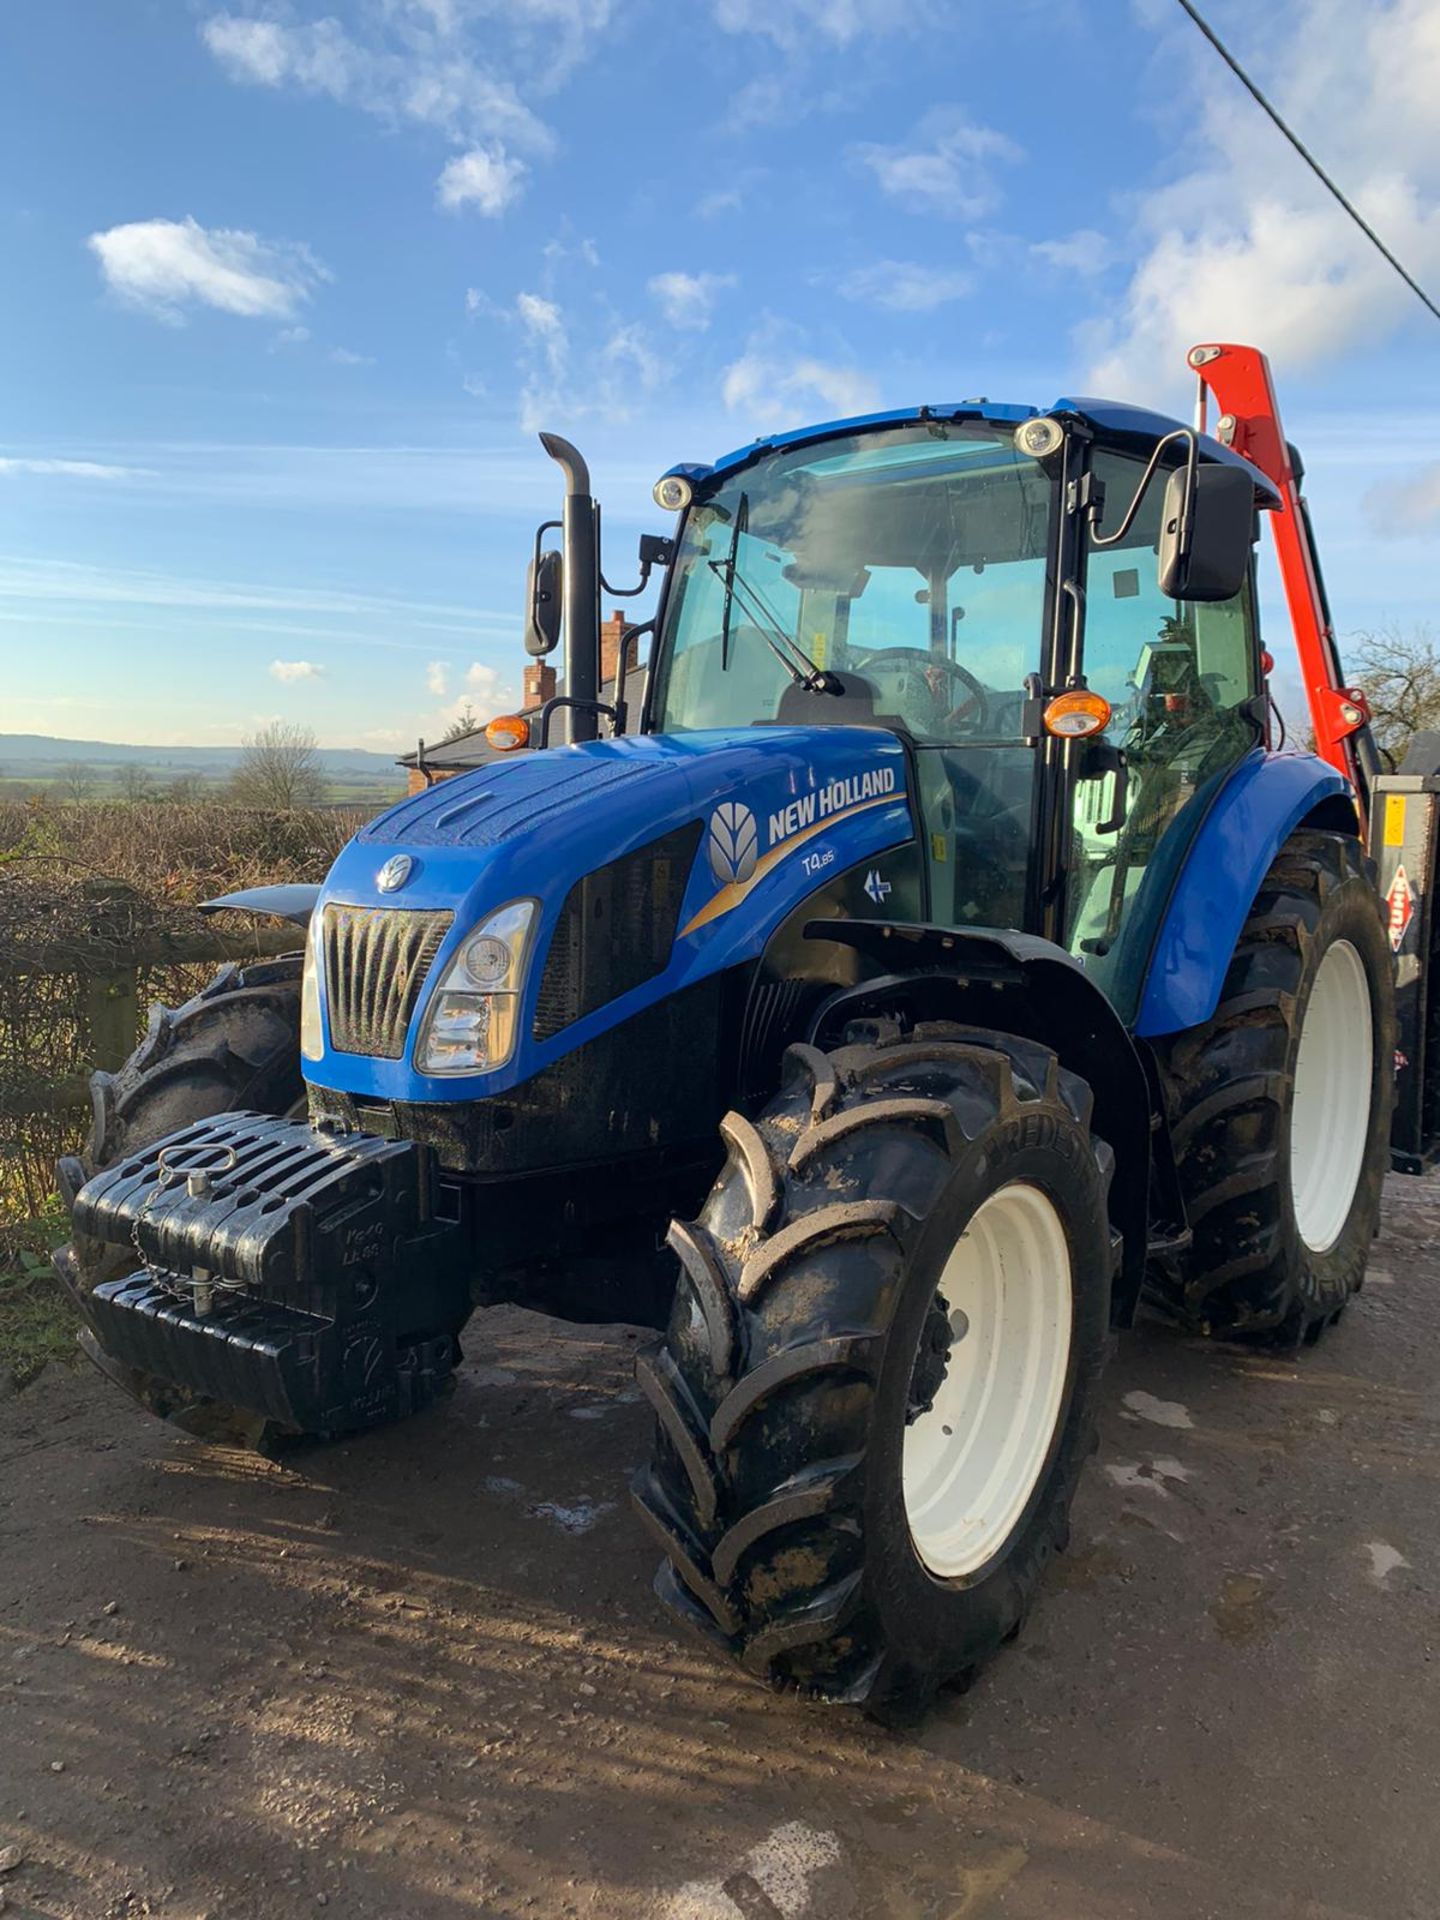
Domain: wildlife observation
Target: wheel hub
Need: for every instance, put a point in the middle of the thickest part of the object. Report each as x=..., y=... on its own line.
x=988, y=1387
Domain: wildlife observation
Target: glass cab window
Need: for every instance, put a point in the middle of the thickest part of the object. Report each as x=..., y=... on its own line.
x=1181, y=679
x=913, y=560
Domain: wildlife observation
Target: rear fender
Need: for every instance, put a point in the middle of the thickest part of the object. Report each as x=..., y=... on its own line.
x=1265, y=799
x=1014, y=983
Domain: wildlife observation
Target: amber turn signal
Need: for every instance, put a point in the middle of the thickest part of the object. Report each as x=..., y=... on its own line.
x=508, y=732
x=1075, y=716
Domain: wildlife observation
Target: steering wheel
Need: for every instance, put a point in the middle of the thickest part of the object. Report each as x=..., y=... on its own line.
x=974, y=711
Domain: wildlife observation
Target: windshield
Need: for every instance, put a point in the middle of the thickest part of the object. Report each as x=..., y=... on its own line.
x=912, y=557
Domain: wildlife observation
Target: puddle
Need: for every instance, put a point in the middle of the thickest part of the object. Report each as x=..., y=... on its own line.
x=577, y=1519
x=1242, y=1613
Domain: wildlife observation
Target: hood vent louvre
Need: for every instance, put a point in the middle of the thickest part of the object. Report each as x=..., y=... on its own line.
x=615, y=930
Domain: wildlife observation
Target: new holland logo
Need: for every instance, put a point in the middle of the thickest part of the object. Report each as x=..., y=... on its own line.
x=734, y=844
x=395, y=872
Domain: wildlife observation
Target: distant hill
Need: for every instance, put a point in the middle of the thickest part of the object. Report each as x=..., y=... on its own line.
x=34, y=753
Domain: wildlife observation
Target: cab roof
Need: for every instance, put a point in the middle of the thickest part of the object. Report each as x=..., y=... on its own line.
x=1114, y=419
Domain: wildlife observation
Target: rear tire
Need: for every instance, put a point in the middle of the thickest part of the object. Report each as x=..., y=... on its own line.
x=809, y=1348
x=235, y=1046
x=1280, y=1105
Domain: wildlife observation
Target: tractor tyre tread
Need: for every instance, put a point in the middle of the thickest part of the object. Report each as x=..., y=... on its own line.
x=1228, y=1088
x=757, y=1489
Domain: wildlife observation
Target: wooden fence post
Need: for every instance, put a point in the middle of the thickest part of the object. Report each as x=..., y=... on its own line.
x=112, y=1015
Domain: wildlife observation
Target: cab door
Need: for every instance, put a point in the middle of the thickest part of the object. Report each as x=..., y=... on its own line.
x=1182, y=680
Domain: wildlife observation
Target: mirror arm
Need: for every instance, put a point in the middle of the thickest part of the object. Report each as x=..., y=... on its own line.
x=629, y=593
x=1187, y=434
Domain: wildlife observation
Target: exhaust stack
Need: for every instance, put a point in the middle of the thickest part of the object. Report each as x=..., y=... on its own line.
x=580, y=532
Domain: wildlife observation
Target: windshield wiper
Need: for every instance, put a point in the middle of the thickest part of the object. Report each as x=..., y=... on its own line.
x=741, y=522
x=804, y=671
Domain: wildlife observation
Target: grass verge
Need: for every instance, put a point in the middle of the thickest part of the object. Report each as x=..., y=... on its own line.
x=37, y=1322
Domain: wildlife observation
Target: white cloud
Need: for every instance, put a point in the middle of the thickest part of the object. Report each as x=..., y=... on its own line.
x=948, y=170
x=1085, y=251
x=403, y=71
x=688, y=299
x=163, y=266
x=1247, y=244
x=441, y=64
x=288, y=670
x=772, y=387
x=486, y=692
x=795, y=24
x=344, y=357
x=70, y=469
x=437, y=679
x=710, y=206
x=486, y=178
x=1405, y=507
x=291, y=337
x=905, y=286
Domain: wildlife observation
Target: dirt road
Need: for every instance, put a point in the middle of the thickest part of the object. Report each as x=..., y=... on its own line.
x=423, y=1677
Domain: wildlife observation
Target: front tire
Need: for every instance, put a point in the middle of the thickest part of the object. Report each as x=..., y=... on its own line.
x=235, y=1046
x=1280, y=1105
x=858, y=1479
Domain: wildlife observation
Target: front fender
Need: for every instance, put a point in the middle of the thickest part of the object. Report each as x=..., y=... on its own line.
x=1266, y=797
x=1013, y=983
x=295, y=903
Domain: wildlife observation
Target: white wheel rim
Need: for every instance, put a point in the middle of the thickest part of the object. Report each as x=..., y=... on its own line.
x=1330, y=1107
x=972, y=1460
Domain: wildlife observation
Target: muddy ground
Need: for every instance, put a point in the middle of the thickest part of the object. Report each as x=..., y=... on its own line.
x=424, y=1677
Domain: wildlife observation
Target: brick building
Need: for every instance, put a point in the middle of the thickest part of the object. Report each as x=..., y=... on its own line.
x=470, y=750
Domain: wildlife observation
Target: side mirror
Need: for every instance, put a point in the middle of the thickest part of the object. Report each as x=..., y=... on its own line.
x=542, y=627
x=1206, y=534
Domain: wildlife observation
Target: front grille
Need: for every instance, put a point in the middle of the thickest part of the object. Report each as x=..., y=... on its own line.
x=376, y=960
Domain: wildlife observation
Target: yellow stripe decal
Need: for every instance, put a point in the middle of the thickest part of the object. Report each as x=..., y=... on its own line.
x=730, y=896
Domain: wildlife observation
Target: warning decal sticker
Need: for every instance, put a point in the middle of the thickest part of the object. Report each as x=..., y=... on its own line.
x=1400, y=906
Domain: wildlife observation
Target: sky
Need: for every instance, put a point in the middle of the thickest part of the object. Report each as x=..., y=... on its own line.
x=288, y=290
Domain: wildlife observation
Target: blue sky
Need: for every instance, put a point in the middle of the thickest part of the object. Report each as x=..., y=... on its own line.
x=288, y=291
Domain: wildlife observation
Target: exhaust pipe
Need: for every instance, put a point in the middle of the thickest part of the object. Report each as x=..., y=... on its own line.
x=581, y=591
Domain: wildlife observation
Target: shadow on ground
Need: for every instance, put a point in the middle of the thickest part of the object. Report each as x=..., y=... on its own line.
x=422, y=1676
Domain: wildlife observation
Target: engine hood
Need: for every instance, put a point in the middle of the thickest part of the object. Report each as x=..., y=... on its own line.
x=775, y=809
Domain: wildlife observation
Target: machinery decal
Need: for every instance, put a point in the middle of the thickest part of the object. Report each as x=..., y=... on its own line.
x=734, y=843
x=733, y=839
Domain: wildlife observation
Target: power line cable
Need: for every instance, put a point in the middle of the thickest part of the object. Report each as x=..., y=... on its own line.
x=1305, y=154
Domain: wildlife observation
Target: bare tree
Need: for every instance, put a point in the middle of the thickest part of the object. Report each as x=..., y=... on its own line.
x=78, y=781
x=1400, y=674
x=185, y=790
x=135, y=783
x=466, y=721
x=279, y=767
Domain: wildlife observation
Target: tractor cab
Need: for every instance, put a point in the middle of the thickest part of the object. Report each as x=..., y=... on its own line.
x=965, y=577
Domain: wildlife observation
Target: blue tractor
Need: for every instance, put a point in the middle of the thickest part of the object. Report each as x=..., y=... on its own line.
x=934, y=958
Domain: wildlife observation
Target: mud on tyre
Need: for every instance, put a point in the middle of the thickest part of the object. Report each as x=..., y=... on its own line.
x=804, y=1525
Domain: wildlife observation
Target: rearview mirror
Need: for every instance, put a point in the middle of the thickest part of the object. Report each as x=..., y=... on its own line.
x=1205, y=539
x=542, y=626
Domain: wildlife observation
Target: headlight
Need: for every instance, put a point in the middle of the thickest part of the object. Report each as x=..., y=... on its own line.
x=474, y=1014
x=312, y=1026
